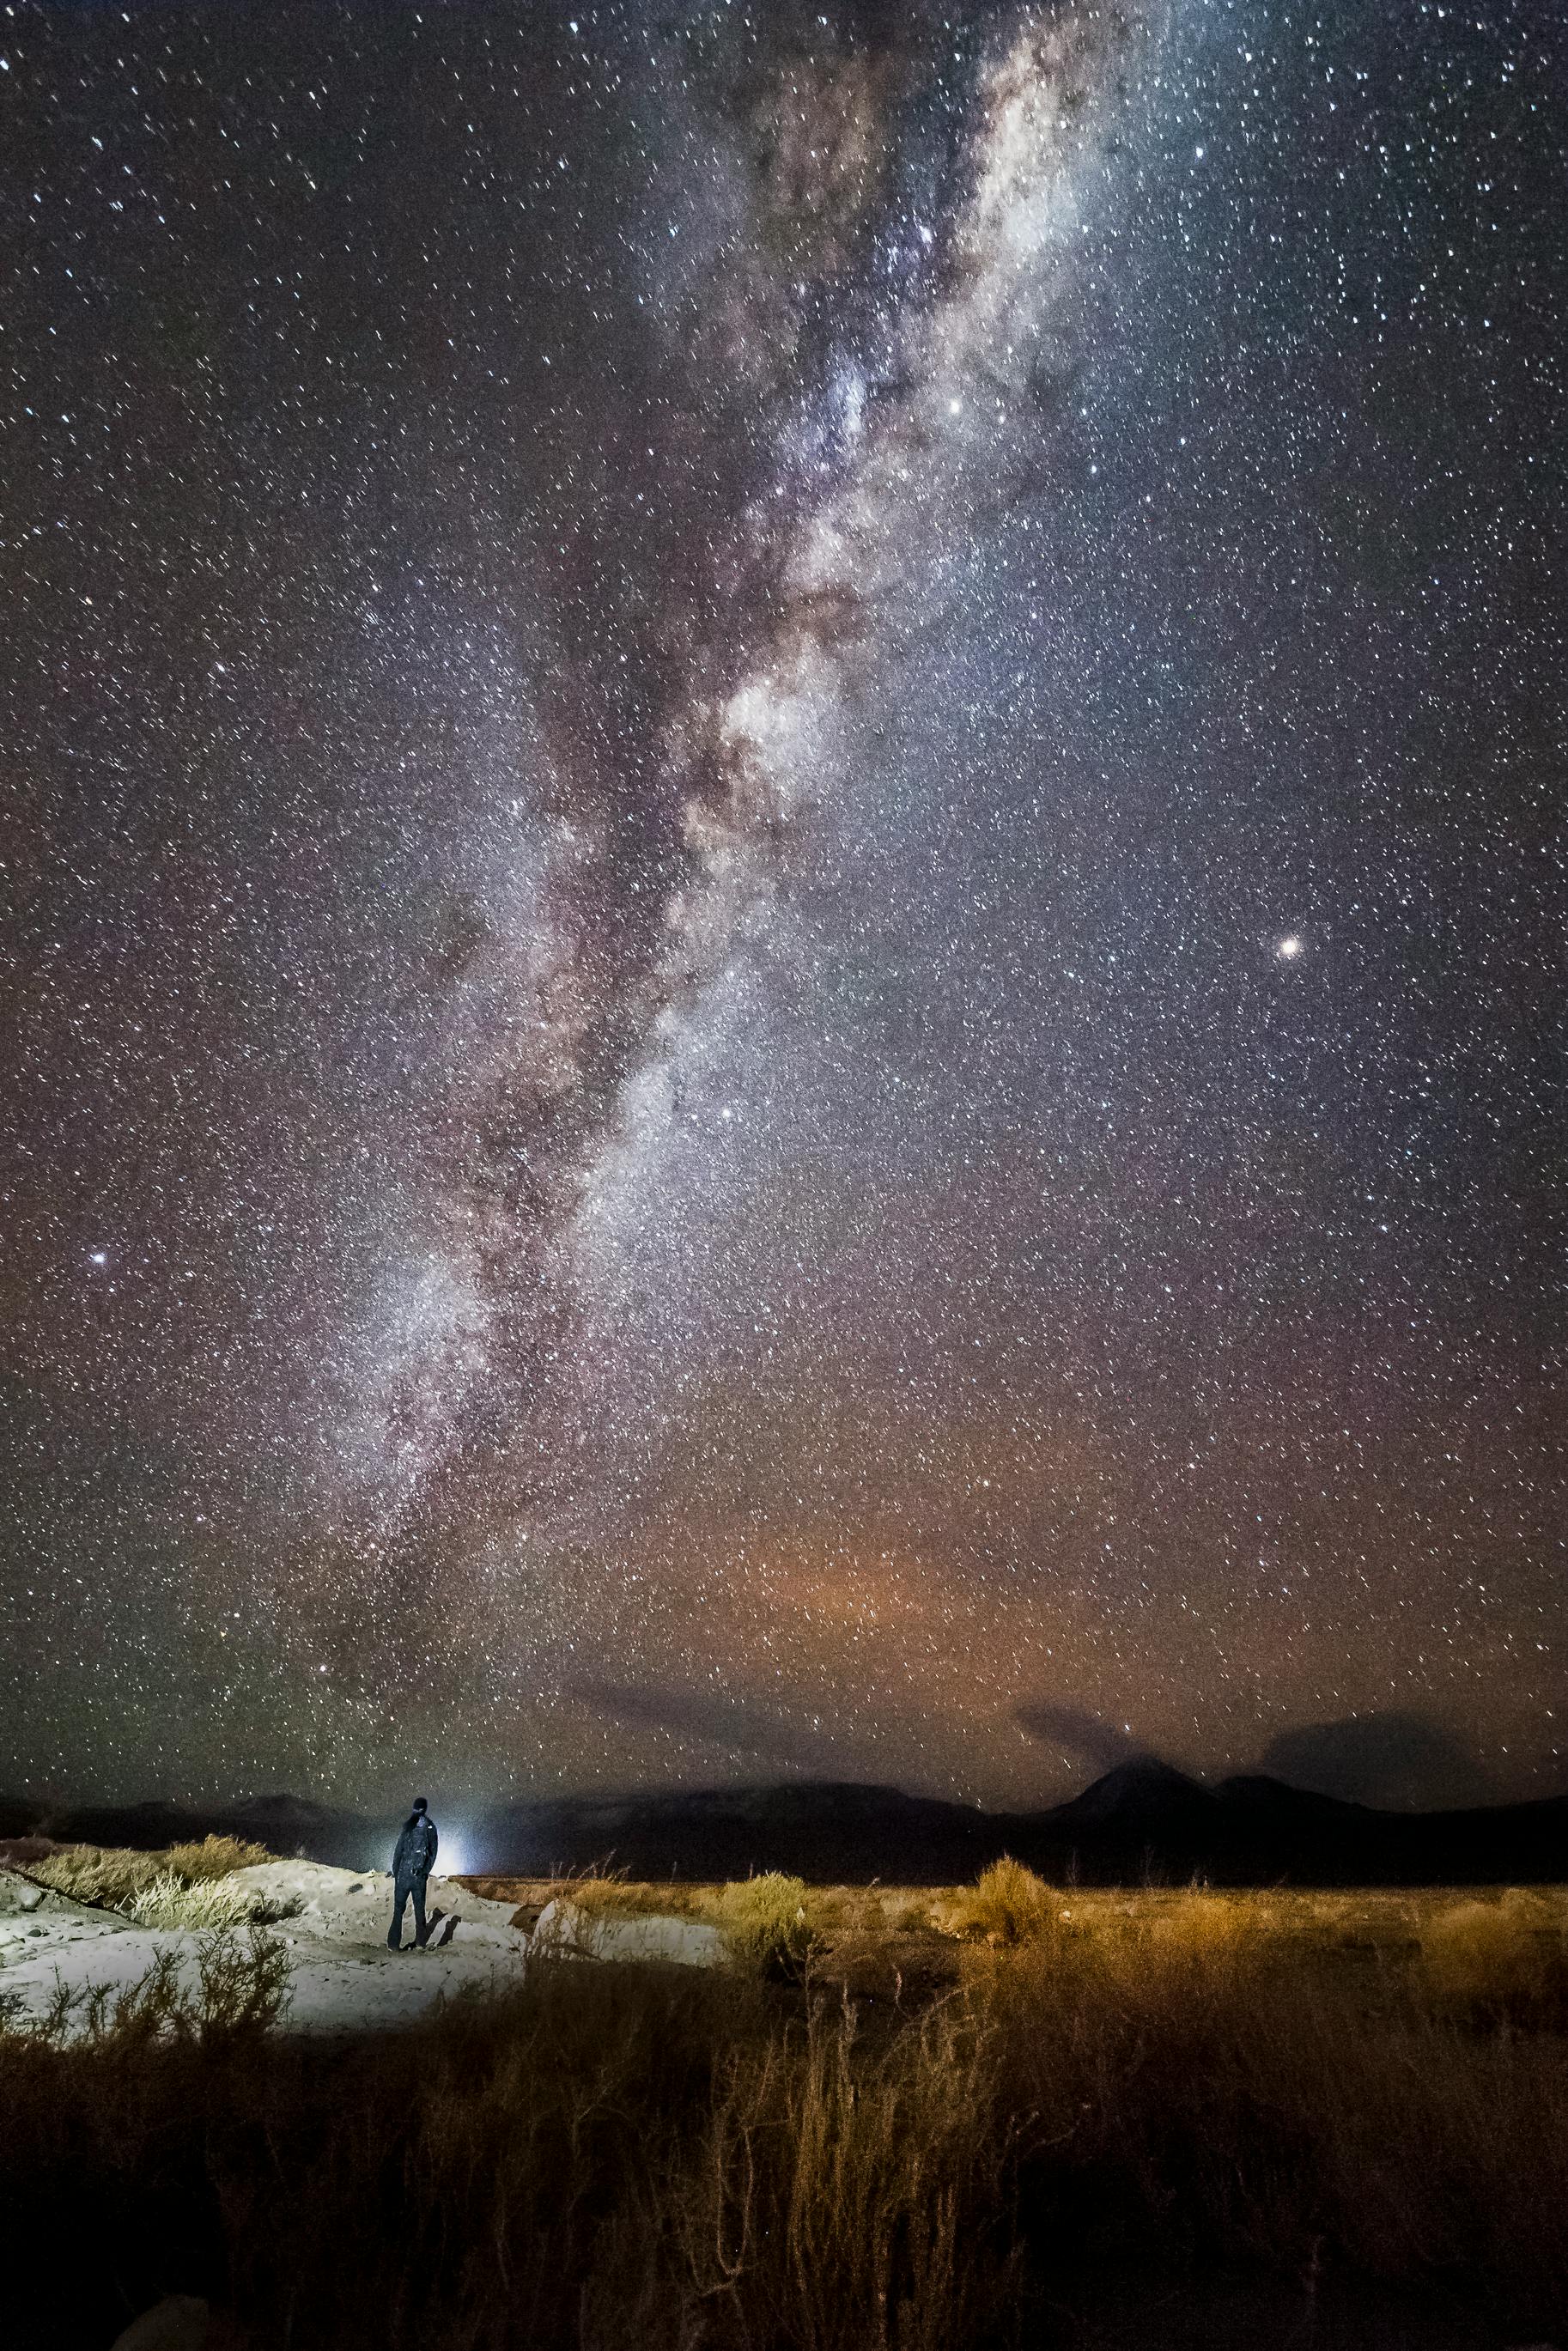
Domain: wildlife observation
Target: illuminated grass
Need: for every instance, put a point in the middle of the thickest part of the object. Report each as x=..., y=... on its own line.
x=116, y=1879
x=1376, y=2084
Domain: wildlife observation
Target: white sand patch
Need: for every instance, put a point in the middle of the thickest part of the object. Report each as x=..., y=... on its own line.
x=343, y=1977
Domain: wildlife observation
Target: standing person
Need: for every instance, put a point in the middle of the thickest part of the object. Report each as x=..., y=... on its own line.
x=412, y=1863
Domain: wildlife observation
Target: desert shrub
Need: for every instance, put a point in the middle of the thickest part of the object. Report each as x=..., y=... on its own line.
x=237, y=1988
x=242, y=1988
x=1510, y=1954
x=766, y=1924
x=1210, y=1924
x=845, y=1909
x=1007, y=1905
x=214, y=1856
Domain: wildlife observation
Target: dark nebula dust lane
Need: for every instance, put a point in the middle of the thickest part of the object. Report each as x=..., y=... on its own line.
x=783, y=895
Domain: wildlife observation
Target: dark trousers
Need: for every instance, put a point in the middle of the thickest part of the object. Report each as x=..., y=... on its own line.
x=405, y=1884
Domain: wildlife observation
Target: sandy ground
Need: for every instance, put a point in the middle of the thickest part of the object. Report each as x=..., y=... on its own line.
x=344, y=1977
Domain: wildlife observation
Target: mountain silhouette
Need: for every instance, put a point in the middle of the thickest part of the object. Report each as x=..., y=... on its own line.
x=1143, y=1822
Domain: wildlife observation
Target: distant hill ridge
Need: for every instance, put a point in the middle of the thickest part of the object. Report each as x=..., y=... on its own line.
x=1143, y=1822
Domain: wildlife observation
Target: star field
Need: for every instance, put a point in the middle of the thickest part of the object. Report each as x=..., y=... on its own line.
x=783, y=892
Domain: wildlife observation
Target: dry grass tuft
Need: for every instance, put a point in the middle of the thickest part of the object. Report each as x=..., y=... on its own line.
x=1510, y=1955
x=214, y=1856
x=767, y=1924
x=88, y=1873
x=1008, y=1905
x=598, y=1894
x=168, y=1900
x=143, y=1884
x=1212, y=1925
x=182, y=1886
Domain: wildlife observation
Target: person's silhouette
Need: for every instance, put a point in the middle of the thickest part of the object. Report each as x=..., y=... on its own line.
x=413, y=1860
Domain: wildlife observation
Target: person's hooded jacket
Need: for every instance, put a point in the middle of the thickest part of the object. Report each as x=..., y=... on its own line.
x=415, y=1855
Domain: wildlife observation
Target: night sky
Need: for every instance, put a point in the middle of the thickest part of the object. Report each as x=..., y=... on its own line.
x=783, y=895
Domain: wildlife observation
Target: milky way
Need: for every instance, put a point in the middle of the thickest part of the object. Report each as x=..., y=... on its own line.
x=787, y=889
x=872, y=454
